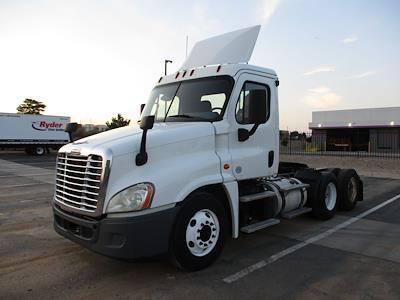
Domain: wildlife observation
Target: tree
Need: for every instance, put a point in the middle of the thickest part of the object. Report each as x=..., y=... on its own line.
x=117, y=121
x=32, y=107
x=294, y=135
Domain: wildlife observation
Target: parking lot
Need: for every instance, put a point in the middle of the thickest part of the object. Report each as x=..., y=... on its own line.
x=355, y=255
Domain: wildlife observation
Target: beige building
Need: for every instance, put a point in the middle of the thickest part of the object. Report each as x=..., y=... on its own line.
x=367, y=130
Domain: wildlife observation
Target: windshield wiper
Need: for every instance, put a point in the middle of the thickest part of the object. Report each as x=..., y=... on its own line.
x=181, y=116
x=188, y=117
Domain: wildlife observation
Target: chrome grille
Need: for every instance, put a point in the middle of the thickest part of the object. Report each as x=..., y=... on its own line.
x=78, y=181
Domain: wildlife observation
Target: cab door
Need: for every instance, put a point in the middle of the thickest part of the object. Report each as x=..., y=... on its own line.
x=253, y=147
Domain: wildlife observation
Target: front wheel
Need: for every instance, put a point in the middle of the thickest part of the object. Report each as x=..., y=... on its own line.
x=199, y=232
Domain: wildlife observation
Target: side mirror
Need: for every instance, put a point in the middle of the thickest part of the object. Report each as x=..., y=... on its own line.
x=257, y=106
x=147, y=122
x=256, y=111
x=71, y=127
x=142, y=107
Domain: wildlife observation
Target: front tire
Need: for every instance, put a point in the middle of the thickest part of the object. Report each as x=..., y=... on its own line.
x=199, y=231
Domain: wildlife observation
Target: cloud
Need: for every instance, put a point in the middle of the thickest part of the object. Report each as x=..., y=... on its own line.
x=349, y=40
x=362, y=75
x=322, y=97
x=320, y=70
x=320, y=90
x=268, y=9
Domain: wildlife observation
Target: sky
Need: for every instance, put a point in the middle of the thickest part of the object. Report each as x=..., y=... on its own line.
x=93, y=59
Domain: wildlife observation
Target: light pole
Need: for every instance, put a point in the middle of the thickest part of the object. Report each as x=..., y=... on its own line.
x=165, y=65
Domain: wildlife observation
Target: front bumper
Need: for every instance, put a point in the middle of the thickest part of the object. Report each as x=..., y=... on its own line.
x=126, y=238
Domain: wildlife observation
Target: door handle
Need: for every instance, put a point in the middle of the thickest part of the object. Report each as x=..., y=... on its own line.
x=271, y=156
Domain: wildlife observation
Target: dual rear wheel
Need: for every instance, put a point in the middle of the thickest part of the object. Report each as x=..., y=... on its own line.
x=36, y=150
x=339, y=189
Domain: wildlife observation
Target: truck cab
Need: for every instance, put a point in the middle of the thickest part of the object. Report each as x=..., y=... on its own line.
x=202, y=164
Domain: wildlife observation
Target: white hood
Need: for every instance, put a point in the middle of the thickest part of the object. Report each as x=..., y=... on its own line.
x=127, y=139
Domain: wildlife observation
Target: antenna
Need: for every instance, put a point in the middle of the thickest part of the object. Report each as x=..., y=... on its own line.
x=166, y=61
x=187, y=42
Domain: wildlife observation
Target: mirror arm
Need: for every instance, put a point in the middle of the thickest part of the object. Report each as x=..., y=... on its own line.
x=253, y=130
x=70, y=136
x=141, y=157
x=145, y=124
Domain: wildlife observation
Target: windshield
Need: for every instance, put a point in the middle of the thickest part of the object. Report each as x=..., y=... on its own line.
x=192, y=100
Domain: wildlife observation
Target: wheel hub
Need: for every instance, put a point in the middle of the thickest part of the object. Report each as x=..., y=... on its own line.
x=205, y=233
x=202, y=232
x=330, y=196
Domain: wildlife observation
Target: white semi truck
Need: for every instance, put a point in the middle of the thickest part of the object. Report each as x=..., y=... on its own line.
x=34, y=133
x=203, y=164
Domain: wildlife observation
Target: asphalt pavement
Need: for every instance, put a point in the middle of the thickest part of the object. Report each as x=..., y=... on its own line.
x=355, y=255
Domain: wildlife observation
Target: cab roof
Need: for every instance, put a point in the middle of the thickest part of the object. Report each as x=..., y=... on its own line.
x=216, y=70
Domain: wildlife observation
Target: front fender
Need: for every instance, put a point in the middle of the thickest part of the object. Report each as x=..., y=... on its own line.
x=175, y=170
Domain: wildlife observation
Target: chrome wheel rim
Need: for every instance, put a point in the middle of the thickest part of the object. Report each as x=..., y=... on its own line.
x=202, y=232
x=39, y=150
x=330, y=196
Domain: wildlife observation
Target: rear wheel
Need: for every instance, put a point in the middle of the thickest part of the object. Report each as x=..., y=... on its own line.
x=39, y=150
x=324, y=201
x=349, y=189
x=199, y=232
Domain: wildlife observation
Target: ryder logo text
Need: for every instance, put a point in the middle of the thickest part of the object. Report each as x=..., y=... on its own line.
x=49, y=126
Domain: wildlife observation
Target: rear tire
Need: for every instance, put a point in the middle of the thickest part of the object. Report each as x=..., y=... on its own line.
x=324, y=201
x=349, y=189
x=39, y=150
x=198, y=235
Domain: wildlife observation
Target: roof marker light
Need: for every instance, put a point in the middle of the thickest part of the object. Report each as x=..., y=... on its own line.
x=184, y=73
x=191, y=72
x=159, y=80
x=392, y=123
x=349, y=124
x=176, y=76
x=319, y=125
x=219, y=68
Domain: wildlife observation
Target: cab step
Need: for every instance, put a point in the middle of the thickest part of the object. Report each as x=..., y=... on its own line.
x=295, y=213
x=259, y=225
x=253, y=197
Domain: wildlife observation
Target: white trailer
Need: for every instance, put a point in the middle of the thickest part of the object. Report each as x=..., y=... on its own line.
x=34, y=133
x=203, y=164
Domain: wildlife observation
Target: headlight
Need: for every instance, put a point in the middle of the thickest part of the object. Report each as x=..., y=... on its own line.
x=136, y=197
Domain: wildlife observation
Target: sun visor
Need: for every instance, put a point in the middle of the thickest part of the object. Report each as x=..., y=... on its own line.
x=232, y=47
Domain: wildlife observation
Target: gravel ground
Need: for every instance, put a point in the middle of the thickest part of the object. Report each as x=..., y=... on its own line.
x=366, y=166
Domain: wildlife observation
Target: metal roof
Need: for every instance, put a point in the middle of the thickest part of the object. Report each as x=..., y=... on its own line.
x=356, y=118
